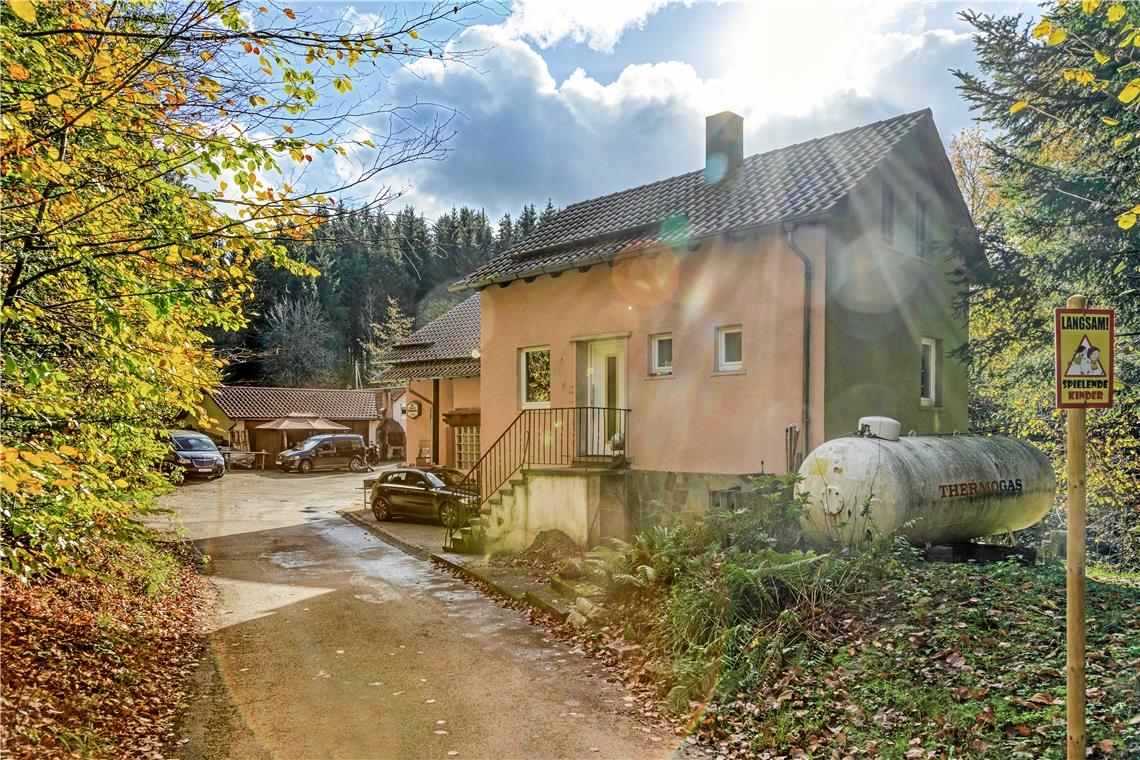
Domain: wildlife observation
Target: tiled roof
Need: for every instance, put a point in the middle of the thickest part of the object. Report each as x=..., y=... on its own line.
x=438, y=370
x=253, y=403
x=452, y=335
x=797, y=181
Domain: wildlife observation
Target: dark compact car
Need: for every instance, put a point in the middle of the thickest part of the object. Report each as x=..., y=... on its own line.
x=336, y=451
x=195, y=454
x=422, y=492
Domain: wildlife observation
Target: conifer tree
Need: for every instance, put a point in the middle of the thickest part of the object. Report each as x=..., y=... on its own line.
x=528, y=223
x=1062, y=101
x=547, y=213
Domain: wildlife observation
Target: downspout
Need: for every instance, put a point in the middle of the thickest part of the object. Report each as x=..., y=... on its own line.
x=791, y=229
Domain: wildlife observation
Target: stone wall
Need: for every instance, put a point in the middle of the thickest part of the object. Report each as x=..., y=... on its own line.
x=648, y=493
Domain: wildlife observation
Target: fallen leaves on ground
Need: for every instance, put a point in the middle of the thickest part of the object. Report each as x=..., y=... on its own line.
x=946, y=661
x=99, y=665
x=549, y=551
x=943, y=661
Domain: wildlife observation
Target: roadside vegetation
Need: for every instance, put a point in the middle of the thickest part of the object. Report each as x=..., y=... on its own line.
x=1052, y=179
x=99, y=664
x=763, y=646
x=147, y=151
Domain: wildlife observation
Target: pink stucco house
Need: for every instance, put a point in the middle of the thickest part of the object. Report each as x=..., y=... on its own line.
x=439, y=366
x=653, y=345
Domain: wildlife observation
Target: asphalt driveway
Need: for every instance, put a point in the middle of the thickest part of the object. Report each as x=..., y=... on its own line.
x=327, y=643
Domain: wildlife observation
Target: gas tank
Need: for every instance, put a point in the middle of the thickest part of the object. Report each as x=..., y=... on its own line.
x=938, y=489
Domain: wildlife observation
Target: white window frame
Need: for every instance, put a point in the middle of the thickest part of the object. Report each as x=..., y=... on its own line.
x=523, y=403
x=466, y=446
x=921, y=225
x=932, y=372
x=722, y=364
x=655, y=366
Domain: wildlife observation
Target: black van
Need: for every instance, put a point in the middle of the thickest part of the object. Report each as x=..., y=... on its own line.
x=325, y=452
x=194, y=454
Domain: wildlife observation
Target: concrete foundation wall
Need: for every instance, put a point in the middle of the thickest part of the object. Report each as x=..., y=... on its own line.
x=590, y=505
x=585, y=505
x=558, y=502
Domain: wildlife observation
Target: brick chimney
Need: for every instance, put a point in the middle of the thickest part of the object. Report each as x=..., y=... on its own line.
x=724, y=145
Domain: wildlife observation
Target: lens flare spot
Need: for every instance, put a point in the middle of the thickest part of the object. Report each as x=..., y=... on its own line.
x=675, y=231
x=716, y=166
x=647, y=280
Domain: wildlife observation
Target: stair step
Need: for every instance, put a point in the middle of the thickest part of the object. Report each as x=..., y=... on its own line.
x=599, y=463
x=466, y=541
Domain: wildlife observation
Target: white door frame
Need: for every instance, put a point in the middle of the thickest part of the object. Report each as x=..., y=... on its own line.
x=605, y=387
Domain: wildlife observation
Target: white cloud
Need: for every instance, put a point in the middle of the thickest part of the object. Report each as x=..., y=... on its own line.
x=597, y=23
x=795, y=72
x=362, y=21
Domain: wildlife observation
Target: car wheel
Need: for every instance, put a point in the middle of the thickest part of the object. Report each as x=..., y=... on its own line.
x=382, y=509
x=449, y=513
x=357, y=464
x=306, y=465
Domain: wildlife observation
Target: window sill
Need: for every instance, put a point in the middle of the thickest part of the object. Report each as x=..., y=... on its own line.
x=925, y=258
x=662, y=376
x=929, y=406
x=539, y=405
x=723, y=372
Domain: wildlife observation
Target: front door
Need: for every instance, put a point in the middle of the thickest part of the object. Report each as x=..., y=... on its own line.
x=605, y=378
x=419, y=498
x=324, y=458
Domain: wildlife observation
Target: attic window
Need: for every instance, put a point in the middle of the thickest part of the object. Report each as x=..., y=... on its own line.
x=921, y=244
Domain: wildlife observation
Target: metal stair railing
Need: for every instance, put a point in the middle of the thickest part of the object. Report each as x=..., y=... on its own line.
x=584, y=436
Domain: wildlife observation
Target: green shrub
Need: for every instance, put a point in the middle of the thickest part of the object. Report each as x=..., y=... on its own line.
x=722, y=599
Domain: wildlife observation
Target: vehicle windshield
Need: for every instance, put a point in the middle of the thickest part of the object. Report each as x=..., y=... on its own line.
x=450, y=478
x=194, y=443
x=308, y=443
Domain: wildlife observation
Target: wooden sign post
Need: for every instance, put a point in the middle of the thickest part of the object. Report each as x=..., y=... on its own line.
x=1084, y=365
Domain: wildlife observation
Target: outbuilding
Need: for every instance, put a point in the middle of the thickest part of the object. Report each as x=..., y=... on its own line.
x=271, y=419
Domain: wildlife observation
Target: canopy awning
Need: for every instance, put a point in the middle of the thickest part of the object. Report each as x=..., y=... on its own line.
x=302, y=422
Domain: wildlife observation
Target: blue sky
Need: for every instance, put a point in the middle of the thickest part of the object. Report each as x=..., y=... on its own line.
x=571, y=100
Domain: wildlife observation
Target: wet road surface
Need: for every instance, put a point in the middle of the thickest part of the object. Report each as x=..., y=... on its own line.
x=328, y=643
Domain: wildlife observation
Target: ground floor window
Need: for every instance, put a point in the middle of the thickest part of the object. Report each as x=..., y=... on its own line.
x=466, y=447
x=729, y=349
x=928, y=372
x=534, y=376
x=661, y=354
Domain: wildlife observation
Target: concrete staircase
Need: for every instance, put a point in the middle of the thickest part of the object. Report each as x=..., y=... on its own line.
x=498, y=510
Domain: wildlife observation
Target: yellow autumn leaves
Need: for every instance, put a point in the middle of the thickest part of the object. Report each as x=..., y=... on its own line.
x=1053, y=33
x=1127, y=220
x=24, y=9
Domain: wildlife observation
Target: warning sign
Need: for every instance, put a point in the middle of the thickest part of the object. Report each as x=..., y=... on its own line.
x=1084, y=340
